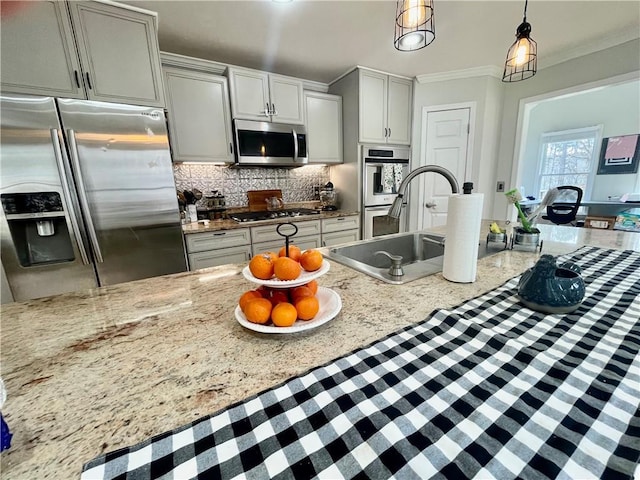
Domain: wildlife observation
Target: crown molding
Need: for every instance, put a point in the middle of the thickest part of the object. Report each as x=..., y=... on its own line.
x=622, y=36
x=192, y=63
x=486, y=71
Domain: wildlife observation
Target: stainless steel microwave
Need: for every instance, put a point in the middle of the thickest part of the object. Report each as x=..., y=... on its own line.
x=270, y=144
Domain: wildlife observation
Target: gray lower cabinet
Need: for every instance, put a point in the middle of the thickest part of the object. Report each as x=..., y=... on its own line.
x=339, y=230
x=265, y=238
x=210, y=249
x=221, y=256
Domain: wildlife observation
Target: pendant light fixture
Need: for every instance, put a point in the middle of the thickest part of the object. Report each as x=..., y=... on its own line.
x=415, y=25
x=522, y=57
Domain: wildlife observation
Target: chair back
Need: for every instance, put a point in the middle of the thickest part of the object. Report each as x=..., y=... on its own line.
x=562, y=213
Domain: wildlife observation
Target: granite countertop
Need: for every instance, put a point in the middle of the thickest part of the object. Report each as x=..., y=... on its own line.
x=227, y=224
x=92, y=371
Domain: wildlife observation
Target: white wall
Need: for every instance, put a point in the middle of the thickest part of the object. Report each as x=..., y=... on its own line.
x=486, y=93
x=598, y=66
x=611, y=106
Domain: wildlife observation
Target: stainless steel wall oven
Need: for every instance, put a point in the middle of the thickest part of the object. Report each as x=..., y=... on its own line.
x=384, y=167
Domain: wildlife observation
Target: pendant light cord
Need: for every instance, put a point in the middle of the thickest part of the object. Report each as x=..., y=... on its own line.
x=525, y=10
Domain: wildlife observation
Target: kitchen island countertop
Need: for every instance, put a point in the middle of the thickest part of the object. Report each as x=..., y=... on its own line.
x=92, y=371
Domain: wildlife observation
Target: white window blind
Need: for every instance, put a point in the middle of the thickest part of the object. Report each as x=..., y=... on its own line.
x=568, y=158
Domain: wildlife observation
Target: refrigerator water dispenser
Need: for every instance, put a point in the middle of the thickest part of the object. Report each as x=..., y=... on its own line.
x=38, y=228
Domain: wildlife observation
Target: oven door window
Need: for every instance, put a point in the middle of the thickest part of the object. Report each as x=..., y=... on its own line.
x=382, y=181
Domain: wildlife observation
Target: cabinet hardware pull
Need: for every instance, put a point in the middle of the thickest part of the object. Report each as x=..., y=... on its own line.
x=231, y=147
x=75, y=73
x=385, y=132
x=340, y=219
x=219, y=234
x=389, y=132
x=89, y=82
x=273, y=110
x=267, y=112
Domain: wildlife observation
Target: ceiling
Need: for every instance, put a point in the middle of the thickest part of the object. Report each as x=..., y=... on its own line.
x=322, y=39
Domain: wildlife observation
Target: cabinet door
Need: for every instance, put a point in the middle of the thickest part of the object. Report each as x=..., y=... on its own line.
x=249, y=90
x=268, y=233
x=338, y=224
x=399, y=111
x=119, y=53
x=324, y=127
x=286, y=99
x=199, y=116
x=38, y=52
x=373, y=107
x=200, y=242
x=223, y=256
x=304, y=243
x=338, y=238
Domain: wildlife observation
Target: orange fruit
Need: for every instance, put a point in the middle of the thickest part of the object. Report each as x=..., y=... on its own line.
x=300, y=292
x=294, y=252
x=307, y=307
x=258, y=310
x=273, y=255
x=311, y=260
x=287, y=268
x=278, y=296
x=284, y=315
x=313, y=286
x=246, y=296
x=261, y=266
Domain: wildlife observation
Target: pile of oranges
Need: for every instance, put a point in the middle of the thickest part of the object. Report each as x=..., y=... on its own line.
x=282, y=306
x=267, y=265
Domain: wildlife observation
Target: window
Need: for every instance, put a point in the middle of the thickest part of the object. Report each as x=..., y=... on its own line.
x=568, y=158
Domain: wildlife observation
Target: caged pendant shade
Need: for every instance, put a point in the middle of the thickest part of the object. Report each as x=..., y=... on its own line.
x=415, y=25
x=522, y=57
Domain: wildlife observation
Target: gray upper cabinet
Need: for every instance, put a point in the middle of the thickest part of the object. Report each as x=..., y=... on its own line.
x=199, y=117
x=265, y=97
x=324, y=127
x=385, y=108
x=114, y=57
x=38, y=52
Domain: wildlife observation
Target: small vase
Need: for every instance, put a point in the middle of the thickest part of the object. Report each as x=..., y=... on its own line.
x=550, y=288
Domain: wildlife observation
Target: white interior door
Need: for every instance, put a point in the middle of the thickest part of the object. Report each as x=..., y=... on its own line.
x=445, y=143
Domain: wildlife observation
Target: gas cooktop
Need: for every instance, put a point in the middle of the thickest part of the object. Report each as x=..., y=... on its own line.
x=272, y=214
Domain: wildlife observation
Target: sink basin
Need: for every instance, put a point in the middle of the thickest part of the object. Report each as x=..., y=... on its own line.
x=422, y=254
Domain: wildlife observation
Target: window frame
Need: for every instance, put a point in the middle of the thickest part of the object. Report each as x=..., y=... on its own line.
x=567, y=135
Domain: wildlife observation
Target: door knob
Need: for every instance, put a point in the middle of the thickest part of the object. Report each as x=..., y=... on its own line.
x=430, y=205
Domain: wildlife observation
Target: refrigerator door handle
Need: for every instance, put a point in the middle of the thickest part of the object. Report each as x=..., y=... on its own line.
x=57, y=150
x=82, y=196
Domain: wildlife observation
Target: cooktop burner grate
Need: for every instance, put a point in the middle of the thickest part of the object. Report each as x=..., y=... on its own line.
x=272, y=214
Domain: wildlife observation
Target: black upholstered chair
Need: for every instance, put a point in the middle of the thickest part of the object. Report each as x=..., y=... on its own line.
x=562, y=213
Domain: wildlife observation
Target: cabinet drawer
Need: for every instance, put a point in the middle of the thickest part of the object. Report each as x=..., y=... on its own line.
x=199, y=242
x=337, y=238
x=267, y=233
x=338, y=224
x=222, y=256
x=275, y=245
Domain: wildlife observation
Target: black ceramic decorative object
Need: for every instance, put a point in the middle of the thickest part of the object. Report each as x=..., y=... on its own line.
x=551, y=288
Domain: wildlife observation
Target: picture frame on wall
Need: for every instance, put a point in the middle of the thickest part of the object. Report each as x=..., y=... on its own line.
x=619, y=155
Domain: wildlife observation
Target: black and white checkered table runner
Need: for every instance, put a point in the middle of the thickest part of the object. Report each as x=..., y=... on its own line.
x=489, y=389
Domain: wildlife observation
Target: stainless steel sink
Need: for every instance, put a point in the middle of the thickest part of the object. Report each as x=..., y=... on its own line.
x=422, y=254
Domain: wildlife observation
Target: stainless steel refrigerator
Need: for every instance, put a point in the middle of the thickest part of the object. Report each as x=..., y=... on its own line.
x=88, y=196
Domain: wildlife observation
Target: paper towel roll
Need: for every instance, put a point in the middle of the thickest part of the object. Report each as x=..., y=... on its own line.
x=463, y=235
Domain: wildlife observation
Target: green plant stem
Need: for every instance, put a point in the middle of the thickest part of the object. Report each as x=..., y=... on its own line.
x=525, y=223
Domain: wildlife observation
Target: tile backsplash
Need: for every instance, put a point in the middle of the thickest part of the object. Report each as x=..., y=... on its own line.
x=297, y=184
